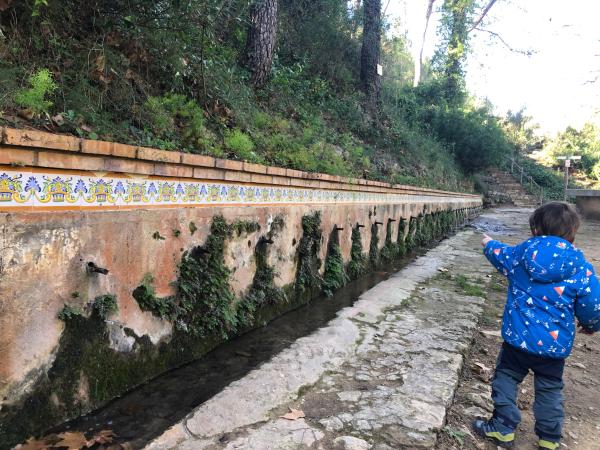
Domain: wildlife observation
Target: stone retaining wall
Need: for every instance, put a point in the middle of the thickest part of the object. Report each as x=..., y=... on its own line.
x=70, y=208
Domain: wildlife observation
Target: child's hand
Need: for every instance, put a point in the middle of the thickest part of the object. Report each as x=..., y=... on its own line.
x=485, y=240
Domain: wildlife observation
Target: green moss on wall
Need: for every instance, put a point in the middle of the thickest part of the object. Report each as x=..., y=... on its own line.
x=358, y=261
x=374, y=246
x=334, y=276
x=307, y=276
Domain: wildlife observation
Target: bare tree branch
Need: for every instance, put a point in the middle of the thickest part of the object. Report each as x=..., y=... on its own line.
x=482, y=15
x=497, y=36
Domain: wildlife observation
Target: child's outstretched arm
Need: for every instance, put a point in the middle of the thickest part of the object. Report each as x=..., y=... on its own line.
x=587, y=306
x=500, y=255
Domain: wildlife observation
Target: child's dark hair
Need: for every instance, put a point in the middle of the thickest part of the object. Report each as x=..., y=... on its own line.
x=555, y=219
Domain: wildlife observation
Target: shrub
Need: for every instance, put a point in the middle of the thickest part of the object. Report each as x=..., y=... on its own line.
x=173, y=117
x=34, y=98
x=240, y=144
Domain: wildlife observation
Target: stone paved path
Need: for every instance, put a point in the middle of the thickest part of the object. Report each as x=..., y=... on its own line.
x=379, y=376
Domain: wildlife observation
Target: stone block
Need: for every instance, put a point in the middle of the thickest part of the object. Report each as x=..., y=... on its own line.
x=256, y=168
x=153, y=154
x=96, y=147
x=39, y=139
x=207, y=173
x=17, y=156
x=128, y=166
x=279, y=171
x=198, y=160
x=229, y=164
x=72, y=161
x=238, y=176
x=124, y=150
x=173, y=170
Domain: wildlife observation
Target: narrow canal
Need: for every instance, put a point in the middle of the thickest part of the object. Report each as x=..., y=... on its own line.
x=147, y=411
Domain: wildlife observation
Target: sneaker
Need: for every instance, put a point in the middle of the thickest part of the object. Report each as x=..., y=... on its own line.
x=543, y=444
x=488, y=431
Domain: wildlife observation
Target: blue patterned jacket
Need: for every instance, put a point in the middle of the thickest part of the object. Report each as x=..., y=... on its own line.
x=550, y=283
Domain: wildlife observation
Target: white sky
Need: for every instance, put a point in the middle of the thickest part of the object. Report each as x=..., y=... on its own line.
x=551, y=83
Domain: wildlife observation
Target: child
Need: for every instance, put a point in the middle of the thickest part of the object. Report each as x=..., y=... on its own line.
x=550, y=283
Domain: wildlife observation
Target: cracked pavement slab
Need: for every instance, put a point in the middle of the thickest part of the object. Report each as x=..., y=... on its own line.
x=381, y=375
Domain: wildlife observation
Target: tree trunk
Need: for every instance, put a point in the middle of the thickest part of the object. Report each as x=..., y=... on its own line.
x=371, y=48
x=260, y=46
x=419, y=61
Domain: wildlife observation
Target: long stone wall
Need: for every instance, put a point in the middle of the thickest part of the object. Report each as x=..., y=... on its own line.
x=107, y=250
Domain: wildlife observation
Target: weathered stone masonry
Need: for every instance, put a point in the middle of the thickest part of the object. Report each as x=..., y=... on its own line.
x=70, y=209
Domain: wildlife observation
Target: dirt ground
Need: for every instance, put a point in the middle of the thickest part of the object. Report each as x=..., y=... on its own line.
x=582, y=372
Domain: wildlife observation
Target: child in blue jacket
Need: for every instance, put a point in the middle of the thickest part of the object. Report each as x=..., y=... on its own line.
x=550, y=283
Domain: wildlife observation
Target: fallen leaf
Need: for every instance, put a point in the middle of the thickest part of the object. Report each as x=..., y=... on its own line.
x=33, y=444
x=294, y=414
x=102, y=437
x=73, y=440
x=441, y=269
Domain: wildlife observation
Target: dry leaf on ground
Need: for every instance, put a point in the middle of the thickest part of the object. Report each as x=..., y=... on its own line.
x=294, y=414
x=73, y=440
x=33, y=444
x=102, y=437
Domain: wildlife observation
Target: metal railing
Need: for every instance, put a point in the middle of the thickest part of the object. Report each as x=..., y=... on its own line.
x=518, y=172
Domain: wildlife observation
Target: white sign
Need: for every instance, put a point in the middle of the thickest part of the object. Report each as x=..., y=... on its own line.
x=379, y=70
x=567, y=163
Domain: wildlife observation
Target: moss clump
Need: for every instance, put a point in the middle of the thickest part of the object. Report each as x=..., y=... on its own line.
x=389, y=252
x=204, y=296
x=401, y=239
x=105, y=305
x=411, y=240
x=307, y=277
x=240, y=227
x=374, y=246
x=263, y=290
x=468, y=288
x=193, y=228
x=358, y=261
x=334, y=276
x=165, y=307
x=68, y=312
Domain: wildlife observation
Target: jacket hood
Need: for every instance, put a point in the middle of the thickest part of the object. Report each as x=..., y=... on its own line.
x=550, y=259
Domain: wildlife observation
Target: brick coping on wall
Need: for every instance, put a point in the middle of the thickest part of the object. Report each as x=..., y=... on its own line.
x=32, y=148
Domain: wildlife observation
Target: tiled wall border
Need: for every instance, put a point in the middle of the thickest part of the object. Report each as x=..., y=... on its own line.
x=100, y=174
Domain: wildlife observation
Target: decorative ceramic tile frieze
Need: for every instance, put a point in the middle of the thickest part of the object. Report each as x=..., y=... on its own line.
x=49, y=189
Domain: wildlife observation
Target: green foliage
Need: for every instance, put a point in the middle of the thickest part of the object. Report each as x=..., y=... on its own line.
x=468, y=288
x=358, y=261
x=263, y=290
x=334, y=276
x=145, y=295
x=390, y=250
x=105, y=305
x=34, y=97
x=240, y=145
x=68, y=312
x=374, y=246
x=204, y=294
x=307, y=276
x=245, y=226
x=173, y=117
x=401, y=238
x=457, y=435
x=410, y=240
